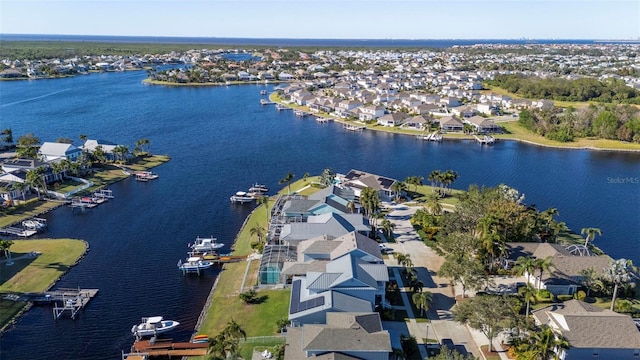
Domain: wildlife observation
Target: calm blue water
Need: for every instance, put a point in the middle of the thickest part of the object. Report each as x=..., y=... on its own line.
x=221, y=140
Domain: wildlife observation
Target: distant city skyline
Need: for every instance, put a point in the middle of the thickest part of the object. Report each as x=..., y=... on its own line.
x=329, y=19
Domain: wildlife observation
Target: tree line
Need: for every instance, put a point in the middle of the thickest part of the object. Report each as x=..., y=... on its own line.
x=616, y=122
x=583, y=89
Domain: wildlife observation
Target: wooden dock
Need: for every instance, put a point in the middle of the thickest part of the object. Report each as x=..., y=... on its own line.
x=354, y=128
x=16, y=231
x=300, y=113
x=485, y=140
x=165, y=347
x=282, y=107
x=64, y=301
x=266, y=102
x=323, y=120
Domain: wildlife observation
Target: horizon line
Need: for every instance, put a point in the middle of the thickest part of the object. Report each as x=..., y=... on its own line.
x=320, y=38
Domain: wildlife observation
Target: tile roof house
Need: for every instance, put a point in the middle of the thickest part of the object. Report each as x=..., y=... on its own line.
x=482, y=125
x=592, y=332
x=348, y=283
x=564, y=278
x=345, y=336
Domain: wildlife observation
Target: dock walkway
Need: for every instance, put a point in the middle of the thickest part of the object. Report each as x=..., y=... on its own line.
x=64, y=300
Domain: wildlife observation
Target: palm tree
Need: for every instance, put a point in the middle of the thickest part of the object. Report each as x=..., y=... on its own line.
x=416, y=285
x=591, y=234
x=264, y=200
x=422, y=300
x=287, y=180
x=5, y=246
x=398, y=187
x=370, y=200
x=528, y=292
x=387, y=227
x=543, y=265
x=351, y=205
x=433, y=204
x=619, y=272
x=414, y=180
x=434, y=177
x=21, y=186
x=547, y=215
x=545, y=343
x=524, y=265
x=226, y=344
x=257, y=231
x=83, y=137
x=589, y=279
x=35, y=178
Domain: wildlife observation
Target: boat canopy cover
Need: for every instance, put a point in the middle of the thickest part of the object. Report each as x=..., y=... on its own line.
x=154, y=319
x=193, y=259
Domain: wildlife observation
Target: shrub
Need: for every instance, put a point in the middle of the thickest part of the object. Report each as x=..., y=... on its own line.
x=544, y=295
x=623, y=306
x=580, y=295
x=565, y=297
x=248, y=296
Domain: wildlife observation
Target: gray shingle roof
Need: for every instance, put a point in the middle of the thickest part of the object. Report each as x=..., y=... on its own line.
x=588, y=326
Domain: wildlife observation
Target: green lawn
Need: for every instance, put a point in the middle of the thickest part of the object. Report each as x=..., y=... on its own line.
x=33, y=274
x=31, y=208
x=517, y=132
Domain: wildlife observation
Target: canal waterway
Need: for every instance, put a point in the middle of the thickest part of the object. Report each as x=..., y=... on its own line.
x=222, y=140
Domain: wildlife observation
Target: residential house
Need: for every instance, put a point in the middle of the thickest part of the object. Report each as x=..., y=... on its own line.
x=542, y=104
x=592, y=332
x=358, y=180
x=91, y=145
x=450, y=123
x=482, y=125
x=419, y=122
x=314, y=254
x=348, y=284
x=345, y=336
x=465, y=111
x=370, y=112
x=284, y=76
x=487, y=108
x=330, y=224
x=50, y=151
x=565, y=276
x=449, y=102
x=391, y=120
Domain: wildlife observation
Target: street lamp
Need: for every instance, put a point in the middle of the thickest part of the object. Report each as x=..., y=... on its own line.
x=426, y=342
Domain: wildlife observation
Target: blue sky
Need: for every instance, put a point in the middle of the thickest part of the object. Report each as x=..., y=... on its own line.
x=344, y=19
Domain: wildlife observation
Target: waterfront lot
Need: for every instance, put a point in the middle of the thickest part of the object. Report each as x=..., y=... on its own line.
x=37, y=265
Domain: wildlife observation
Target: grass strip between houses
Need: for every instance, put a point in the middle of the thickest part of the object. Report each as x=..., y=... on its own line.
x=35, y=273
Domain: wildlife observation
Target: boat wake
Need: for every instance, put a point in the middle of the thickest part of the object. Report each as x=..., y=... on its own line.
x=33, y=98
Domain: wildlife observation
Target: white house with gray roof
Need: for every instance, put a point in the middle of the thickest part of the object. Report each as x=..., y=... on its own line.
x=592, y=332
x=347, y=284
x=344, y=336
x=358, y=180
x=50, y=151
x=330, y=224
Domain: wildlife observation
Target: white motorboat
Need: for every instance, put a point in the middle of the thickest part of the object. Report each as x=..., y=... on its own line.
x=34, y=224
x=194, y=264
x=241, y=197
x=206, y=245
x=259, y=188
x=152, y=326
x=146, y=176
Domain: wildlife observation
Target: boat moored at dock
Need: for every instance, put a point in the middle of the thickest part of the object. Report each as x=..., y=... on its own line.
x=194, y=264
x=152, y=326
x=146, y=176
x=203, y=245
x=241, y=197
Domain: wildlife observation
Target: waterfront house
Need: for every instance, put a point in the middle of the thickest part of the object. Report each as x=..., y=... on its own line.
x=391, y=120
x=284, y=76
x=592, y=332
x=482, y=125
x=345, y=335
x=51, y=151
x=565, y=276
x=465, y=111
x=450, y=123
x=370, y=112
x=358, y=180
x=330, y=224
x=314, y=254
x=348, y=284
x=419, y=122
x=91, y=145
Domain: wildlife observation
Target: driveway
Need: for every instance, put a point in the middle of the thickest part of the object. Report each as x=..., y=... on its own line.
x=427, y=263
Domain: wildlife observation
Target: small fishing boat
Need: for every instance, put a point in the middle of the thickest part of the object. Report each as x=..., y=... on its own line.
x=241, y=197
x=152, y=326
x=194, y=264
